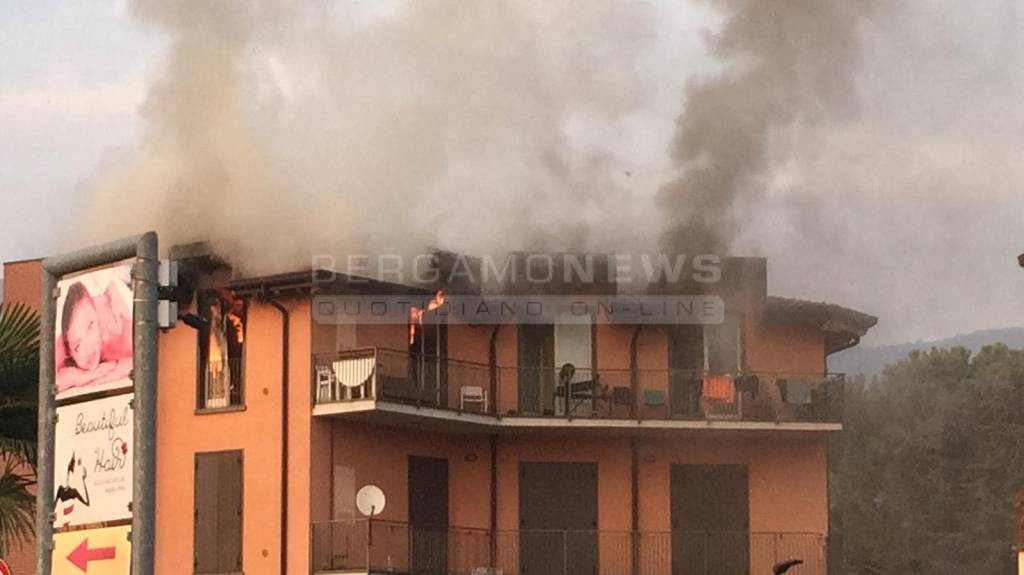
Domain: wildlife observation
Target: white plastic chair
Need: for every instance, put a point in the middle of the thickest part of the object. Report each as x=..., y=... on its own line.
x=473, y=394
x=325, y=383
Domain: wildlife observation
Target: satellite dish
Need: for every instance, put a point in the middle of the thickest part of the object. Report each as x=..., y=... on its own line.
x=370, y=500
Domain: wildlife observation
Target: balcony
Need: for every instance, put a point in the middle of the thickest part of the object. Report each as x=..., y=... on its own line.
x=395, y=547
x=355, y=382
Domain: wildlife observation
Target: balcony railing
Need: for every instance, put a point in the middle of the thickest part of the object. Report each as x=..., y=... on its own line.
x=396, y=547
x=576, y=393
x=222, y=384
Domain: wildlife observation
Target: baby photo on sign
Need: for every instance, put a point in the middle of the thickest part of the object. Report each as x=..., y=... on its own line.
x=93, y=346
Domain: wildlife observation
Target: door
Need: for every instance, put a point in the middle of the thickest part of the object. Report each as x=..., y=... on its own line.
x=428, y=515
x=558, y=518
x=428, y=351
x=710, y=511
x=685, y=362
x=574, y=393
x=535, y=374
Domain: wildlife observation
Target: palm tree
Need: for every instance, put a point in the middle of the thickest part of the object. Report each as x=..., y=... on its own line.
x=19, y=377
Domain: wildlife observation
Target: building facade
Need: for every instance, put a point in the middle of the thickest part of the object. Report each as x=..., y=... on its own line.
x=517, y=448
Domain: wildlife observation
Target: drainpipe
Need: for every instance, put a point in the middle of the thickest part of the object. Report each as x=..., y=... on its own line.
x=492, y=363
x=634, y=378
x=634, y=471
x=285, y=322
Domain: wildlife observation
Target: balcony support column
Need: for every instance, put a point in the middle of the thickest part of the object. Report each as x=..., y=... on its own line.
x=494, y=501
x=634, y=471
x=634, y=376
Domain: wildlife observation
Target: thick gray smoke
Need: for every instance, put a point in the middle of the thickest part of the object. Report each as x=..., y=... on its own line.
x=870, y=150
x=279, y=130
x=784, y=61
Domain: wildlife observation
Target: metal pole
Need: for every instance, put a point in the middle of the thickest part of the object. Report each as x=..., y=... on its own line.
x=147, y=285
x=706, y=536
x=44, y=454
x=565, y=552
x=369, y=537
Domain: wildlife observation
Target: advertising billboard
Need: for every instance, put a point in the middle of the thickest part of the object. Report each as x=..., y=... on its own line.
x=93, y=332
x=93, y=454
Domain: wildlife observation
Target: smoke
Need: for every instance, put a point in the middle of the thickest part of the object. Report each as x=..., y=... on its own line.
x=869, y=150
x=784, y=62
x=280, y=130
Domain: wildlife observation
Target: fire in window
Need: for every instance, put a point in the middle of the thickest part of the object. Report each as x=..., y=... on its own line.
x=221, y=349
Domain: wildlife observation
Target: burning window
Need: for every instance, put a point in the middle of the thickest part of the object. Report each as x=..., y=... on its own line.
x=428, y=336
x=723, y=349
x=221, y=349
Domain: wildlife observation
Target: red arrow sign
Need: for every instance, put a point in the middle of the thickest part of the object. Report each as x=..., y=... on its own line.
x=82, y=555
x=4, y=569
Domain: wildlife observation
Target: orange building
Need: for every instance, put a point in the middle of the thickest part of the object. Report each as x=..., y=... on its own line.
x=516, y=448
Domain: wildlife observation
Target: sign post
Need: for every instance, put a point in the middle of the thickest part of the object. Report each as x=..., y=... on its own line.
x=97, y=409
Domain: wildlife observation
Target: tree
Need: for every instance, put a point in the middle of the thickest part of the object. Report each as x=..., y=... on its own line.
x=19, y=377
x=925, y=474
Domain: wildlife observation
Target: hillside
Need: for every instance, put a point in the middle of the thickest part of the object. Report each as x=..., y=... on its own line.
x=871, y=360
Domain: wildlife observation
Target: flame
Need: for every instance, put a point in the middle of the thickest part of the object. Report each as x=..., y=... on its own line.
x=234, y=307
x=216, y=353
x=416, y=314
x=239, y=326
x=437, y=302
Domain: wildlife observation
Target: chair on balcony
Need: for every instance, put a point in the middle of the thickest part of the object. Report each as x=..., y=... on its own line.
x=473, y=395
x=325, y=384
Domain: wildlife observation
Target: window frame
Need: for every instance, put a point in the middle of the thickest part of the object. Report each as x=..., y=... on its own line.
x=203, y=299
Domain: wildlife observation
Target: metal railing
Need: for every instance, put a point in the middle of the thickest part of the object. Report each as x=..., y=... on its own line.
x=391, y=546
x=402, y=548
x=576, y=393
x=423, y=380
x=221, y=384
x=672, y=394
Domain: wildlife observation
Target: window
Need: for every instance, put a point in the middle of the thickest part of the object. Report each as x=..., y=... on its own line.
x=723, y=347
x=221, y=350
x=427, y=353
x=218, y=512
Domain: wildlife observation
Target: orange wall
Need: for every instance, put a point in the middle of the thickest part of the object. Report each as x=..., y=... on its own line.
x=787, y=478
x=256, y=430
x=788, y=483
x=380, y=457
x=23, y=282
x=784, y=349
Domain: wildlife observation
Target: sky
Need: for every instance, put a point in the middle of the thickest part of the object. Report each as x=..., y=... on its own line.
x=907, y=205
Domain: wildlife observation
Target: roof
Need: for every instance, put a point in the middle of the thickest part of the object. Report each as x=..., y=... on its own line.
x=843, y=326
x=321, y=281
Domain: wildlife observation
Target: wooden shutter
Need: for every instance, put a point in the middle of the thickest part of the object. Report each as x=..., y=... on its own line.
x=218, y=512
